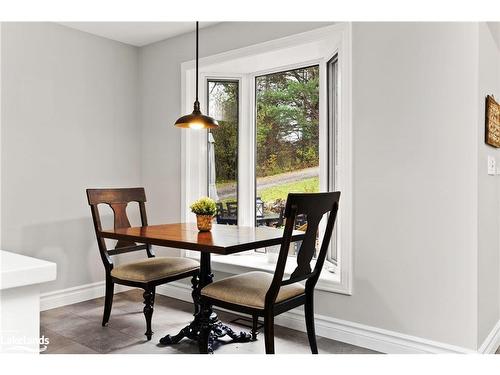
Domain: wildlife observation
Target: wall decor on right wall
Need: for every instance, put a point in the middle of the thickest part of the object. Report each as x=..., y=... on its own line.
x=492, y=133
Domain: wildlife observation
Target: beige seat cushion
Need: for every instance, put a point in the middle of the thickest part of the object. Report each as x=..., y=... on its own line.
x=154, y=268
x=249, y=289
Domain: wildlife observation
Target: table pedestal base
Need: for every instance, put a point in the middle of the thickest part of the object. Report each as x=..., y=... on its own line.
x=204, y=315
x=217, y=331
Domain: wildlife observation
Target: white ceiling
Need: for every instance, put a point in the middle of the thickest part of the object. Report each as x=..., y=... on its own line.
x=136, y=33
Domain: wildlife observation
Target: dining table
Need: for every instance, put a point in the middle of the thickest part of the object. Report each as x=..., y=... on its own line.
x=221, y=240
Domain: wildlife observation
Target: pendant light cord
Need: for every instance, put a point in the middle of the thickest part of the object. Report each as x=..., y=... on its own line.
x=196, y=120
x=196, y=61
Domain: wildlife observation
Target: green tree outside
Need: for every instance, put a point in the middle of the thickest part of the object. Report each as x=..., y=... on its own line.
x=287, y=128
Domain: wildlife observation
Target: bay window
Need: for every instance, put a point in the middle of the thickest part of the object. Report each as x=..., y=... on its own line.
x=284, y=115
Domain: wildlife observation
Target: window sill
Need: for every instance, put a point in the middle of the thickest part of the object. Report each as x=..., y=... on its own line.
x=235, y=264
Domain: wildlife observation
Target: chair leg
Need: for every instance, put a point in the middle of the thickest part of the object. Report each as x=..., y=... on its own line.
x=309, y=314
x=149, y=297
x=255, y=321
x=269, y=332
x=108, y=300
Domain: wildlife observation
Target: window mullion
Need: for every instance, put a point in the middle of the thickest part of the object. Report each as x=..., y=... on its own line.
x=246, y=150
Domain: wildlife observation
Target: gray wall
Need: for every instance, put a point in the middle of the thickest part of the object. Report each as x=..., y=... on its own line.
x=69, y=121
x=161, y=101
x=414, y=247
x=414, y=103
x=79, y=111
x=488, y=192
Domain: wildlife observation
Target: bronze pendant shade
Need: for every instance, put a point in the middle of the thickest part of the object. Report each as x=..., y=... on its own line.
x=196, y=120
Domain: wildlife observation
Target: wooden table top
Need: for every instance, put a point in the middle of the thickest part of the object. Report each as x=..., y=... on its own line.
x=222, y=239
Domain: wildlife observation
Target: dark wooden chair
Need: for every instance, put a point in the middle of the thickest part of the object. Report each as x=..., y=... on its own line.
x=232, y=209
x=262, y=294
x=220, y=212
x=220, y=208
x=146, y=273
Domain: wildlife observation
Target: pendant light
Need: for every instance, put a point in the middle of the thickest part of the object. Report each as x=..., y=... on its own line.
x=196, y=120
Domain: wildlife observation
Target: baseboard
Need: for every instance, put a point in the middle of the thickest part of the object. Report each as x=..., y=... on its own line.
x=373, y=338
x=492, y=341
x=76, y=294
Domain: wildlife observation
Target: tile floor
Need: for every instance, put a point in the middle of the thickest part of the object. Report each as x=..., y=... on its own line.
x=77, y=329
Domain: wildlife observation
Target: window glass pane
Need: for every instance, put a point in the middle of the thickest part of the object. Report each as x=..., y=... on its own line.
x=223, y=149
x=287, y=139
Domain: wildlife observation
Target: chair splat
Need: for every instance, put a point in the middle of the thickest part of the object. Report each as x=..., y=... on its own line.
x=121, y=221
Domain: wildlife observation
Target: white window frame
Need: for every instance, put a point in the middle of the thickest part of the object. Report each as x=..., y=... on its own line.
x=321, y=44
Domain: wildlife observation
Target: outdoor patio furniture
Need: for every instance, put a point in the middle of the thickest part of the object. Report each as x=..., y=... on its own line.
x=232, y=208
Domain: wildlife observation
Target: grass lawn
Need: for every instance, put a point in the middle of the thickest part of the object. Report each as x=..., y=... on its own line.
x=224, y=184
x=309, y=185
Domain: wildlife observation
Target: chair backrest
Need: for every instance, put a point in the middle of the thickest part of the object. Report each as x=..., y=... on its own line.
x=313, y=206
x=232, y=208
x=259, y=211
x=220, y=212
x=117, y=199
x=281, y=217
x=220, y=209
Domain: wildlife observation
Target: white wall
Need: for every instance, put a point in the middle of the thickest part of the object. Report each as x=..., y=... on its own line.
x=414, y=103
x=488, y=191
x=69, y=121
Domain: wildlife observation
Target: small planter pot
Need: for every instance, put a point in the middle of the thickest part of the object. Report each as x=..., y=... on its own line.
x=204, y=222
